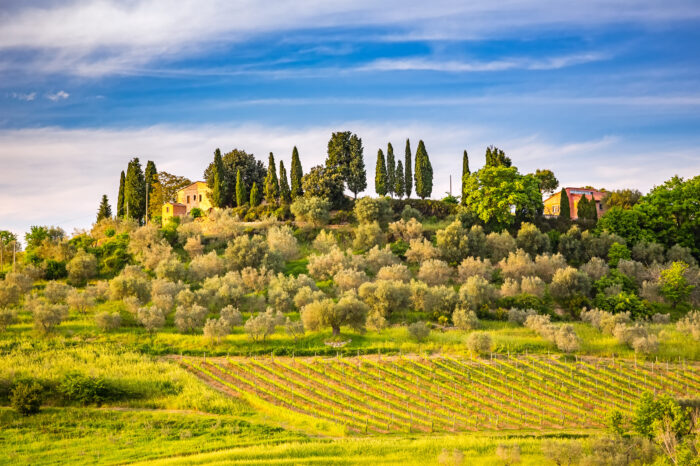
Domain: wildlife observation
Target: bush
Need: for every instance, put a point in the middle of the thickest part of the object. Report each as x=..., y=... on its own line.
x=152, y=318
x=500, y=245
x=253, y=251
x=325, y=242
x=56, y=292
x=231, y=315
x=377, y=257
x=648, y=253
x=533, y=286
x=193, y=246
x=465, y=319
x=264, y=324
x=81, y=268
x=596, y=268
x=26, y=397
x=421, y=250
x=406, y=230
x=519, y=316
x=517, y=265
x=531, y=240
x=80, y=301
x=281, y=241
x=678, y=253
x=46, y=316
x=570, y=287
x=370, y=210
x=435, y=272
x=314, y=210
x=479, y=342
x=131, y=281
x=659, y=318
x=385, y=296
x=690, y=324
x=78, y=388
x=616, y=252
x=107, y=321
x=368, y=235
x=419, y=331
x=409, y=213
x=546, y=265
x=7, y=317
x=216, y=329
x=473, y=266
x=349, y=279
x=325, y=266
x=188, y=319
x=453, y=242
x=438, y=301
x=394, y=272
x=477, y=293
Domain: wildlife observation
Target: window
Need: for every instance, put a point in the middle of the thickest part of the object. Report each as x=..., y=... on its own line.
x=200, y=198
x=188, y=199
x=555, y=209
x=600, y=206
x=167, y=209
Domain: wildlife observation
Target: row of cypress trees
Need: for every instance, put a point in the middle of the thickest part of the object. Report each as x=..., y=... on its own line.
x=395, y=178
x=135, y=187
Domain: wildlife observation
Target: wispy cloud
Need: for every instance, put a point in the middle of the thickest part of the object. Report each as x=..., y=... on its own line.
x=56, y=96
x=28, y=97
x=98, y=38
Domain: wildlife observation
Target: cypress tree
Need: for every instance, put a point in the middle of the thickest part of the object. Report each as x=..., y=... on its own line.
x=424, y=172
x=398, y=180
x=218, y=189
x=120, y=198
x=285, y=192
x=594, y=209
x=582, y=208
x=105, y=210
x=357, y=175
x=495, y=157
x=272, y=184
x=380, y=175
x=241, y=195
x=408, y=177
x=254, y=195
x=296, y=174
x=135, y=191
x=465, y=174
x=390, y=169
x=564, y=206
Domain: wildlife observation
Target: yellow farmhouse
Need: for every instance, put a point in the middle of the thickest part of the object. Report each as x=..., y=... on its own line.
x=195, y=195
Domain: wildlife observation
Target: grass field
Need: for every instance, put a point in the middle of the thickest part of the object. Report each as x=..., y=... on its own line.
x=447, y=394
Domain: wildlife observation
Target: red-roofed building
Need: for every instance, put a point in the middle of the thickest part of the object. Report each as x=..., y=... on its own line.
x=552, y=204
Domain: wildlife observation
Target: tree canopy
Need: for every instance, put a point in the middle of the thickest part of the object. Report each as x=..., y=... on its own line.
x=252, y=171
x=548, y=182
x=495, y=157
x=423, y=172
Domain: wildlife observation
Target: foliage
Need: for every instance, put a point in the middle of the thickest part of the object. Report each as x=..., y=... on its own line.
x=255, y=195
x=674, y=285
x=368, y=235
x=408, y=177
x=548, y=182
x=495, y=157
x=419, y=331
x=81, y=268
x=285, y=191
x=252, y=171
x=465, y=319
x=369, y=210
x=107, y=321
x=570, y=287
x=105, y=210
x=326, y=183
x=423, y=172
x=479, y=343
x=380, y=175
x=272, y=189
x=135, y=191
x=26, y=397
x=296, y=174
x=618, y=252
x=531, y=240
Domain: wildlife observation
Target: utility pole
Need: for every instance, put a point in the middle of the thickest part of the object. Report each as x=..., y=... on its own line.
x=450, y=185
x=14, y=254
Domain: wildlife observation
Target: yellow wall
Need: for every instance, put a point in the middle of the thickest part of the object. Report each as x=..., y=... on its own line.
x=551, y=205
x=195, y=192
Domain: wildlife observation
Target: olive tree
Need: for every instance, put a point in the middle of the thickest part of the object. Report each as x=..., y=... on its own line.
x=349, y=310
x=189, y=318
x=81, y=268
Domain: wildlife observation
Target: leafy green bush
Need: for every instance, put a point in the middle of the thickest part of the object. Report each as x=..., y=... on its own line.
x=78, y=388
x=26, y=397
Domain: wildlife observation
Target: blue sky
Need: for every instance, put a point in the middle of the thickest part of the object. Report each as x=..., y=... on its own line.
x=603, y=93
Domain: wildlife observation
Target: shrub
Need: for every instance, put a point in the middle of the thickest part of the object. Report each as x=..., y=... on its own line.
x=563, y=336
x=7, y=317
x=256, y=279
x=385, y=296
x=678, y=253
x=26, y=397
x=690, y=324
x=659, y=318
x=394, y=272
x=531, y=240
x=152, y=318
x=216, y=329
x=370, y=210
x=571, y=246
x=368, y=235
x=509, y=288
x=281, y=241
x=80, y=301
x=325, y=266
x=465, y=319
x=570, y=287
x=349, y=279
x=500, y=245
x=294, y=328
x=622, y=301
x=566, y=339
x=616, y=252
x=188, y=319
x=435, y=272
x=325, y=242
x=307, y=295
x=533, y=286
x=131, y=281
x=636, y=337
x=477, y=293
x=519, y=316
x=406, y=230
x=596, y=268
x=673, y=285
x=56, y=292
x=253, y=251
x=23, y=282
x=419, y=331
x=193, y=246
x=10, y=294
x=517, y=265
x=377, y=257
x=409, y=213
x=78, y=388
x=283, y=289
x=479, y=342
x=171, y=269
x=435, y=300
x=453, y=242
x=314, y=210
x=648, y=253
x=546, y=265
x=107, y=321
x=231, y=315
x=259, y=327
x=421, y=250
x=46, y=316
x=473, y=266
x=81, y=268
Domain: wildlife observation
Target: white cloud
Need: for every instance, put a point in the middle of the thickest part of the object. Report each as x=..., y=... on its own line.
x=56, y=96
x=94, y=38
x=57, y=176
x=27, y=97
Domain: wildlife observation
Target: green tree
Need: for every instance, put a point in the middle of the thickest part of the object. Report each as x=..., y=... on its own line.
x=465, y=172
x=285, y=192
x=151, y=177
x=272, y=184
x=623, y=198
x=380, y=181
x=171, y=184
x=548, y=182
x=241, y=192
x=673, y=285
x=423, y=172
x=105, y=210
x=495, y=157
x=296, y=174
x=582, y=208
x=500, y=195
x=390, y=169
x=252, y=171
x=326, y=183
x=564, y=206
x=219, y=194
x=626, y=223
x=399, y=180
x=357, y=175
x=121, y=212
x=340, y=153
x=255, y=196
x=408, y=166
x=135, y=191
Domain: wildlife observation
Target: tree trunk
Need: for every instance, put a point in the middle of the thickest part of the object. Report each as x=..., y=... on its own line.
x=336, y=330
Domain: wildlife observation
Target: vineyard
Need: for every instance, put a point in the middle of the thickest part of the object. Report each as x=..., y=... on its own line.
x=448, y=394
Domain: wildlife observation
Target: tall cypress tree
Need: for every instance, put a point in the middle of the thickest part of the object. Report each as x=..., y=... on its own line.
x=241, y=195
x=105, y=210
x=357, y=175
x=582, y=210
x=120, y=199
x=564, y=206
x=390, y=169
x=594, y=209
x=135, y=191
x=408, y=177
x=219, y=192
x=465, y=174
x=398, y=180
x=296, y=174
x=272, y=184
x=380, y=175
x=255, y=197
x=495, y=157
x=285, y=192
x=424, y=172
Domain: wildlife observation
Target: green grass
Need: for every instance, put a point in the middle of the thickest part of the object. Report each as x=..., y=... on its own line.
x=91, y=436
